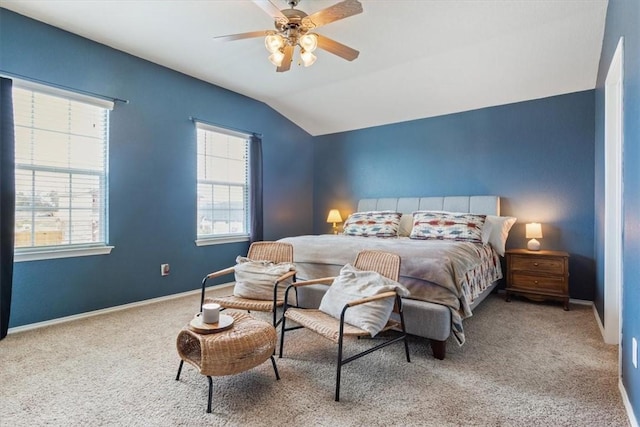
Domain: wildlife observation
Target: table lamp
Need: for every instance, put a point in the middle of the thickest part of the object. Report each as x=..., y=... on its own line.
x=534, y=231
x=334, y=217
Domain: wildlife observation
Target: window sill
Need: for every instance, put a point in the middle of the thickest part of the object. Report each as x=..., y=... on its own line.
x=221, y=240
x=37, y=255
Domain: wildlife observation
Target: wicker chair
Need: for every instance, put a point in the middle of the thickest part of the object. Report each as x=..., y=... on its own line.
x=388, y=265
x=258, y=251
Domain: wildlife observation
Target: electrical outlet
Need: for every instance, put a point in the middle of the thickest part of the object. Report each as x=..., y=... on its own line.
x=634, y=352
x=164, y=269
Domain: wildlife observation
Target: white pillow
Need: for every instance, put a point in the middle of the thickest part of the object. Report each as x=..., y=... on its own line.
x=353, y=284
x=406, y=225
x=496, y=230
x=255, y=279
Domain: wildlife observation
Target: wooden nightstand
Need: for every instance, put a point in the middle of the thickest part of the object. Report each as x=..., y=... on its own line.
x=538, y=275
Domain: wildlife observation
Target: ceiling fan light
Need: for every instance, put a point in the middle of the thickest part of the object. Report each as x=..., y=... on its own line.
x=309, y=42
x=308, y=58
x=273, y=42
x=276, y=58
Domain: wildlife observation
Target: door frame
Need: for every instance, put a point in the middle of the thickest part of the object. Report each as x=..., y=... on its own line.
x=613, y=210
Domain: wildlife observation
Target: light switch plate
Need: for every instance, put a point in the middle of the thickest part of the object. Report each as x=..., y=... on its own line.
x=634, y=351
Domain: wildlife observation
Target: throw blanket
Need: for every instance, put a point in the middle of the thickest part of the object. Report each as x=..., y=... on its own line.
x=445, y=272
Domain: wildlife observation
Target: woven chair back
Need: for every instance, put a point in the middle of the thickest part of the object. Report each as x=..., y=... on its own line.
x=385, y=263
x=271, y=251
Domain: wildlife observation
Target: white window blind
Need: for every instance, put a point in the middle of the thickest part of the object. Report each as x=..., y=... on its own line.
x=61, y=141
x=223, y=183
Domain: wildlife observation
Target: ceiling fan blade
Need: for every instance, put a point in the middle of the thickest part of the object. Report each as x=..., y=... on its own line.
x=336, y=48
x=232, y=37
x=331, y=14
x=286, y=61
x=272, y=10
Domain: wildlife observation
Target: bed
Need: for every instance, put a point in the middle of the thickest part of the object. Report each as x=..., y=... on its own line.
x=447, y=279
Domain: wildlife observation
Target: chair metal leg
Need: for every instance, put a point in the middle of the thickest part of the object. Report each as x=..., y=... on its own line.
x=210, y=394
x=204, y=281
x=275, y=367
x=404, y=330
x=386, y=343
x=338, y=372
x=179, y=370
x=282, y=336
x=339, y=364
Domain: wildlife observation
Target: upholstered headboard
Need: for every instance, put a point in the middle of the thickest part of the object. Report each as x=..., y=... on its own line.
x=487, y=205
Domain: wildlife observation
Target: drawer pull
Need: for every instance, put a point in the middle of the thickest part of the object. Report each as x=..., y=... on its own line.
x=535, y=281
x=536, y=264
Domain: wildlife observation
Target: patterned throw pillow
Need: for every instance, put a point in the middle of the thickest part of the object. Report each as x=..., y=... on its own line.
x=373, y=223
x=447, y=226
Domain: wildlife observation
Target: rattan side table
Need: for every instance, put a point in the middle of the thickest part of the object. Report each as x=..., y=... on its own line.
x=247, y=344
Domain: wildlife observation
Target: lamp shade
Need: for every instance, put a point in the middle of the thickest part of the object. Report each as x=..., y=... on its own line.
x=534, y=231
x=308, y=58
x=309, y=42
x=273, y=42
x=334, y=216
x=276, y=58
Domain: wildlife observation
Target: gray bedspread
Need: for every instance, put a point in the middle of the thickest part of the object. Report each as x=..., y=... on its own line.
x=436, y=271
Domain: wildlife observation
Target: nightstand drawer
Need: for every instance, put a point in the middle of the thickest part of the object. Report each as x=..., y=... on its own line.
x=555, y=284
x=537, y=264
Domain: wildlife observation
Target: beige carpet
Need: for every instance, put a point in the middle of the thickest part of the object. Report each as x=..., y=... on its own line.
x=524, y=364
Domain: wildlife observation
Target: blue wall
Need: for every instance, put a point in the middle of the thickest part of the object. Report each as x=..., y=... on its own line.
x=537, y=155
x=152, y=174
x=623, y=18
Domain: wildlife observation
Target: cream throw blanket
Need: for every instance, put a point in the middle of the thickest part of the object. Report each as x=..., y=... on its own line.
x=353, y=284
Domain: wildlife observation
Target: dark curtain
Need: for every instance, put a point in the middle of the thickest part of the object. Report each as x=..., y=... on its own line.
x=7, y=202
x=255, y=198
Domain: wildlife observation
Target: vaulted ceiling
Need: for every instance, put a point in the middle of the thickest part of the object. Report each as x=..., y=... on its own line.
x=418, y=58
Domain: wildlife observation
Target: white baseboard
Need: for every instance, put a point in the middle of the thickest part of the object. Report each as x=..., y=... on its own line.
x=623, y=392
x=598, y=321
x=627, y=405
x=59, y=320
x=580, y=301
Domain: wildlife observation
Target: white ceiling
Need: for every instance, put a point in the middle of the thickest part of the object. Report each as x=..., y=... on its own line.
x=418, y=58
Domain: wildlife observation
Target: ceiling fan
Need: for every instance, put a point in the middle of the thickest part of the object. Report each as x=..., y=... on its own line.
x=293, y=28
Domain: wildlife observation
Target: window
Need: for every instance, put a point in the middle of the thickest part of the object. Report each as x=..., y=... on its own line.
x=61, y=170
x=223, y=185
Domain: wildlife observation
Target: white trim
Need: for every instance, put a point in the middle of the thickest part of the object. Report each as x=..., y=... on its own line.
x=613, y=190
x=627, y=405
x=62, y=93
x=623, y=392
x=598, y=321
x=57, y=321
x=581, y=302
x=221, y=240
x=37, y=255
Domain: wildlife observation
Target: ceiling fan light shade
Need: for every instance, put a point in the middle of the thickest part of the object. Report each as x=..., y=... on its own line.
x=308, y=58
x=276, y=58
x=273, y=42
x=308, y=42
